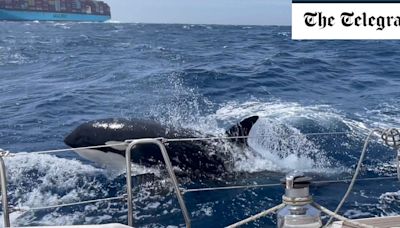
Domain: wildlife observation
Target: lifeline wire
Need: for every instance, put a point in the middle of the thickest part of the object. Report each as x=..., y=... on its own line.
x=246, y=137
x=63, y=150
x=4, y=153
x=22, y=208
x=184, y=191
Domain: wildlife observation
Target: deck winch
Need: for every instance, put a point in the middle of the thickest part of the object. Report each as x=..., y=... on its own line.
x=298, y=211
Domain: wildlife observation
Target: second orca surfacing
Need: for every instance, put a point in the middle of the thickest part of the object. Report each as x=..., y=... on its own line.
x=196, y=158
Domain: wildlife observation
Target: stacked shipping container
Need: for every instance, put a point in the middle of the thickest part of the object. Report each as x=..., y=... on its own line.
x=61, y=6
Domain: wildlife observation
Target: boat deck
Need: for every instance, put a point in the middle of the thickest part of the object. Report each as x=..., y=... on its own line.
x=381, y=222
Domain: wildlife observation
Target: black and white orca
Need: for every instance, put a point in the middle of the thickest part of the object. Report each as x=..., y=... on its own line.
x=196, y=157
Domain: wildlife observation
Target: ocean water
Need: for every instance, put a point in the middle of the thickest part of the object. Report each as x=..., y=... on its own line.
x=55, y=76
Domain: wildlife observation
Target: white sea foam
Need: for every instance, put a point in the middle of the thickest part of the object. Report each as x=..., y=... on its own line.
x=287, y=112
x=389, y=203
x=32, y=176
x=386, y=115
x=283, y=146
x=43, y=180
x=205, y=209
x=13, y=57
x=62, y=25
x=113, y=22
x=353, y=214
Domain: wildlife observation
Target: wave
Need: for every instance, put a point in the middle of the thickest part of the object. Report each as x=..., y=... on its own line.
x=49, y=180
x=284, y=127
x=43, y=180
x=384, y=115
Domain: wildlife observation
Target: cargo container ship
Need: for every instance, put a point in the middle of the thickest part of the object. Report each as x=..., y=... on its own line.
x=54, y=10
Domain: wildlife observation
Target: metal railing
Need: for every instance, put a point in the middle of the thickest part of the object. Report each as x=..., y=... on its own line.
x=170, y=172
x=4, y=198
x=391, y=141
x=131, y=144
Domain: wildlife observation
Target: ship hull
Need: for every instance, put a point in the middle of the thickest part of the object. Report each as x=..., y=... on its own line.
x=20, y=15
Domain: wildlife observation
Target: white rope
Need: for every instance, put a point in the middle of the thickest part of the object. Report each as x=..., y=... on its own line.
x=26, y=208
x=353, y=180
x=257, y=216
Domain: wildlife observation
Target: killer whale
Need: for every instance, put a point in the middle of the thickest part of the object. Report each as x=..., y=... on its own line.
x=195, y=157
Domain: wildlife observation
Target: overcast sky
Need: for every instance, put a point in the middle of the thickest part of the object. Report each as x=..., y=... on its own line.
x=243, y=12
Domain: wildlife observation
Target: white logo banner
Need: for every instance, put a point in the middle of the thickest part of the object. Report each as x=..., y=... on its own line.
x=339, y=20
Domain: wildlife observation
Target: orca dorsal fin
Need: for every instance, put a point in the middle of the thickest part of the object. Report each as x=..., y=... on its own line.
x=243, y=128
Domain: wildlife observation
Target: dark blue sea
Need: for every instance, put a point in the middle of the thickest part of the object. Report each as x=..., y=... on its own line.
x=55, y=76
